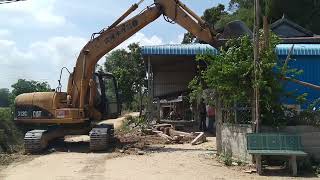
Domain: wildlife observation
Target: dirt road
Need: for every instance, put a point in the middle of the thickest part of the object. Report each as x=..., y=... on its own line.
x=178, y=162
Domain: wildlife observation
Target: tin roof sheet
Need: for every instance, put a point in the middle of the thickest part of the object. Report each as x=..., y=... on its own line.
x=299, y=49
x=179, y=49
x=195, y=49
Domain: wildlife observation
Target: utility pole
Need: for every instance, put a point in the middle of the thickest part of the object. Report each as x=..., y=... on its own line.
x=256, y=113
x=257, y=77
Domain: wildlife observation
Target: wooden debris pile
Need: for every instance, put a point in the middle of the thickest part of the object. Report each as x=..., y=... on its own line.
x=167, y=132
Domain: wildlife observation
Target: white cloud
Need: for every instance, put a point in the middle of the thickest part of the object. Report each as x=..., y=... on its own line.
x=42, y=60
x=178, y=40
x=40, y=11
x=4, y=33
x=49, y=19
x=142, y=39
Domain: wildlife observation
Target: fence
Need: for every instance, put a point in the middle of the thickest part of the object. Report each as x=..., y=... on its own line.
x=235, y=124
x=237, y=115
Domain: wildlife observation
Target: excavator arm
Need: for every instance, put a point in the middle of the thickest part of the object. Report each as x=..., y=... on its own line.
x=173, y=10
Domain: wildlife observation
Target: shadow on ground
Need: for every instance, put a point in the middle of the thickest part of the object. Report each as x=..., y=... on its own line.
x=284, y=172
x=60, y=145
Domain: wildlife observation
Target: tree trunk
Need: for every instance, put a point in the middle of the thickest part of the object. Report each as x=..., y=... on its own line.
x=141, y=98
x=218, y=105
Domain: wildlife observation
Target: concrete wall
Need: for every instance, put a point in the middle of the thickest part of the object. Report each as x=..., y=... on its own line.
x=234, y=141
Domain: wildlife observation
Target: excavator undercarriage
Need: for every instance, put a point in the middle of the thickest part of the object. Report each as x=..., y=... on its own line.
x=37, y=140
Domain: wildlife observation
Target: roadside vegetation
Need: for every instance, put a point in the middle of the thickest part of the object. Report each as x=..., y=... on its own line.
x=132, y=123
x=231, y=75
x=11, y=137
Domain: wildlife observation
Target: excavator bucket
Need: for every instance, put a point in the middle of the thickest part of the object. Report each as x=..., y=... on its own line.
x=235, y=29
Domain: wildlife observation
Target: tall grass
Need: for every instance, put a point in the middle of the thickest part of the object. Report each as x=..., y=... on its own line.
x=11, y=139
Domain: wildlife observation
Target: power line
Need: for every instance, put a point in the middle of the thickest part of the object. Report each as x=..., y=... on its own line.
x=9, y=1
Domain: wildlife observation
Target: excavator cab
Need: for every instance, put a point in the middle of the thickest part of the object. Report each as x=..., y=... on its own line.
x=108, y=98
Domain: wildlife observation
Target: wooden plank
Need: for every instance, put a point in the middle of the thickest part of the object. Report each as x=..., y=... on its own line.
x=173, y=132
x=200, y=137
x=159, y=126
x=161, y=134
x=277, y=152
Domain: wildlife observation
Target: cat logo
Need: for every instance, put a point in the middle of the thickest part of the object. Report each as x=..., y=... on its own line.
x=36, y=114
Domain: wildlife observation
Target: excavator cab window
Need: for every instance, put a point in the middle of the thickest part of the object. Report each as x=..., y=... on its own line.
x=108, y=90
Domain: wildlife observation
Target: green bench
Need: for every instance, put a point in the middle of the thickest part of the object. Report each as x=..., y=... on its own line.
x=275, y=144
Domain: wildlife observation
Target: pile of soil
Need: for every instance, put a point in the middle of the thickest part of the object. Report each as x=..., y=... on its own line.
x=135, y=141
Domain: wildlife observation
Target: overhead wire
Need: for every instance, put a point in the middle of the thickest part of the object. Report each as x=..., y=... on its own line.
x=9, y=1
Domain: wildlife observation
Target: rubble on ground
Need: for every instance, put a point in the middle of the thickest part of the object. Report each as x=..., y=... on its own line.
x=171, y=135
x=136, y=135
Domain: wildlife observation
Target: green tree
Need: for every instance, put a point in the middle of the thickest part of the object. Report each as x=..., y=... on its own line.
x=128, y=68
x=25, y=86
x=212, y=16
x=231, y=75
x=305, y=13
x=4, y=97
x=307, y=17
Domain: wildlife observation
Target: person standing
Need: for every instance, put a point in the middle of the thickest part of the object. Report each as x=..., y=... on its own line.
x=203, y=115
x=211, y=112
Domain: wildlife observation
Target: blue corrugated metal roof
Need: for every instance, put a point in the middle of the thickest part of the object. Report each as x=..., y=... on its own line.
x=194, y=49
x=299, y=49
x=179, y=49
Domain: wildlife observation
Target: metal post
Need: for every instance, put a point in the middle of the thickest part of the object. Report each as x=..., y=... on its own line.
x=256, y=77
x=150, y=90
x=158, y=110
x=218, y=118
x=235, y=110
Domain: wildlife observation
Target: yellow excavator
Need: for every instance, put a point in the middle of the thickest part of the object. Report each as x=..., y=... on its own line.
x=91, y=96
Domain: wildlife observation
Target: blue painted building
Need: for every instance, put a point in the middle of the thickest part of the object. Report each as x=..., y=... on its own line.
x=173, y=67
x=304, y=57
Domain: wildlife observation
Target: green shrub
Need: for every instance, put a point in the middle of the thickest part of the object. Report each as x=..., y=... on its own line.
x=132, y=122
x=226, y=159
x=11, y=139
x=232, y=76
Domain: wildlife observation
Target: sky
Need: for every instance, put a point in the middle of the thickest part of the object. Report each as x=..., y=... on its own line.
x=39, y=37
